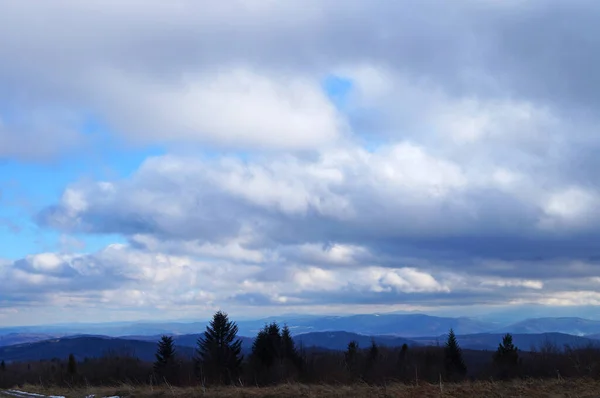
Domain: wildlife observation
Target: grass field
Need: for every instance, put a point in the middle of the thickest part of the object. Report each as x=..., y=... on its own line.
x=528, y=388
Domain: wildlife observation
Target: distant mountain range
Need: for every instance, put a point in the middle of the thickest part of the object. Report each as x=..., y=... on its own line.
x=401, y=325
x=404, y=325
x=327, y=332
x=570, y=325
x=19, y=338
x=82, y=347
x=97, y=346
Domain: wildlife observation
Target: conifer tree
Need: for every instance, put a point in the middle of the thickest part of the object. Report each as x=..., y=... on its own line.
x=266, y=346
x=219, y=351
x=72, y=365
x=351, y=352
x=453, y=360
x=269, y=354
x=290, y=352
x=373, y=351
x=403, y=351
x=351, y=357
x=403, y=359
x=506, y=357
x=507, y=352
x=370, y=371
x=165, y=363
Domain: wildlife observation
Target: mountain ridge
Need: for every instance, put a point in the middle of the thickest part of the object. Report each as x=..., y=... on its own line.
x=402, y=325
x=97, y=346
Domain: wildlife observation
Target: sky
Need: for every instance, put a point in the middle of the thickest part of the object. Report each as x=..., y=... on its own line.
x=163, y=160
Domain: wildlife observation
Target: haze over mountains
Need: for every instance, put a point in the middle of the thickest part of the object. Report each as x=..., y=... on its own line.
x=323, y=332
x=403, y=325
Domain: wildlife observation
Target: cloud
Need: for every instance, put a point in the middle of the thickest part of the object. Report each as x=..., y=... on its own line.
x=391, y=225
x=132, y=279
x=247, y=75
x=349, y=196
x=236, y=108
x=458, y=169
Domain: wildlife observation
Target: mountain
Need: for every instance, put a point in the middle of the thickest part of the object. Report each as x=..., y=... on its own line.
x=568, y=325
x=405, y=325
x=394, y=324
x=97, y=346
x=513, y=314
x=188, y=340
x=525, y=342
x=339, y=340
x=82, y=347
x=111, y=329
x=20, y=338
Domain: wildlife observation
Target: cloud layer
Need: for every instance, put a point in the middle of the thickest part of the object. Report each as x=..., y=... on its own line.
x=456, y=167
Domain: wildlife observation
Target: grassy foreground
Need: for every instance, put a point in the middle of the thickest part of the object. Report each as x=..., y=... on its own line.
x=520, y=388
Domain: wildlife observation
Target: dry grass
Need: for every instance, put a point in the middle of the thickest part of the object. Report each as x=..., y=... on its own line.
x=531, y=388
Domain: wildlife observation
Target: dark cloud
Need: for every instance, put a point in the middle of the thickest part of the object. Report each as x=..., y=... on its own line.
x=533, y=51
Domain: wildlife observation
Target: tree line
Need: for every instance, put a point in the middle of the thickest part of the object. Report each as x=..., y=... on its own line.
x=275, y=358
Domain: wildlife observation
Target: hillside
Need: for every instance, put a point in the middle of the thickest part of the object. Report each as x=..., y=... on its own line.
x=405, y=325
x=339, y=340
x=144, y=347
x=22, y=338
x=82, y=347
x=525, y=342
x=568, y=325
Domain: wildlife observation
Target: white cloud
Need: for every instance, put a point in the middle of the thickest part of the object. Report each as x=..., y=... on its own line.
x=145, y=281
x=230, y=250
x=235, y=108
x=316, y=279
x=400, y=190
x=336, y=254
x=46, y=262
x=572, y=207
x=571, y=298
x=527, y=283
x=407, y=280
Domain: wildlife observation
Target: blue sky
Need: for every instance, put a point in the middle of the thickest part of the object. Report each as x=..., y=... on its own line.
x=435, y=157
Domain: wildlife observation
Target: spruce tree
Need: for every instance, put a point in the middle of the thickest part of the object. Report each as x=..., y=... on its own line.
x=506, y=358
x=266, y=346
x=373, y=351
x=403, y=360
x=269, y=354
x=165, y=363
x=219, y=351
x=351, y=352
x=72, y=365
x=351, y=357
x=453, y=360
x=403, y=352
x=290, y=352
